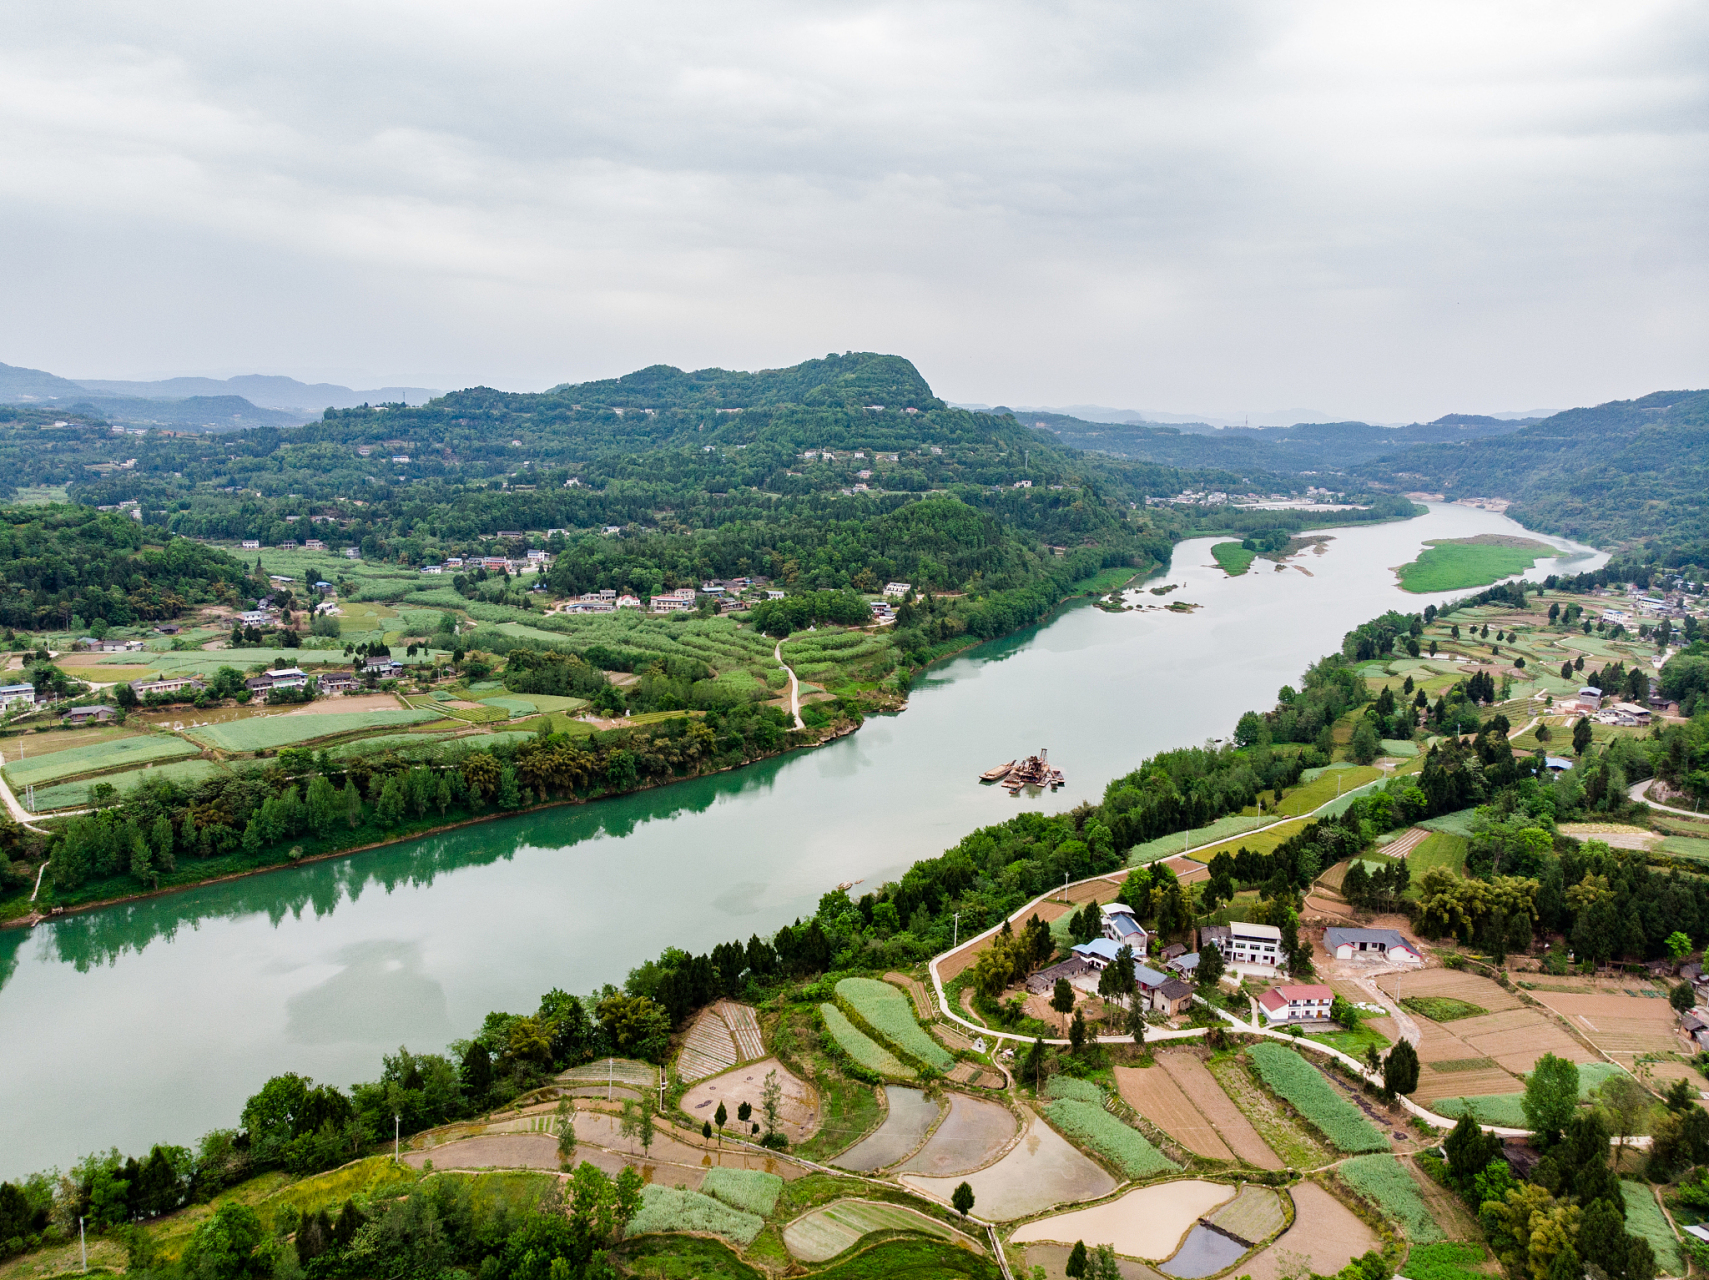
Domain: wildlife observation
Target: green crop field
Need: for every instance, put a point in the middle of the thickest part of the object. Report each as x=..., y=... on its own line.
x=830, y=656
x=675, y=1209
x=1080, y=1090
x=420, y=746
x=71, y=795
x=1382, y=1180
x=1446, y=1261
x=889, y=1012
x=1489, y=1108
x=1644, y=1218
x=718, y=642
x=1293, y=1078
x=862, y=1047
x=745, y=1189
x=112, y=754
x=1441, y=1008
x=265, y=732
x=1450, y=564
x=1090, y=1125
x=528, y=703
x=1234, y=558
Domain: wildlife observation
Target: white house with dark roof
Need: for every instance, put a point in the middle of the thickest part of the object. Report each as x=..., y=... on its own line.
x=1256, y=947
x=1122, y=928
x=1370, y=944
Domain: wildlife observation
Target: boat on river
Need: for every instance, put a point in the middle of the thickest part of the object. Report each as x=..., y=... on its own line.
x=1034, y=771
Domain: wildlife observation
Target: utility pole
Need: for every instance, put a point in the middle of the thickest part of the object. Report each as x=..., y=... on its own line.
x=397, y=1138
x=957, y=936
x=83, y=1243
x=610, y=1069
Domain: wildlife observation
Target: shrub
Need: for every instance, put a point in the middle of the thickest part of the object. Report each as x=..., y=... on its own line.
x=1291, y=1077
x=1381, y=1180
x=1446, y=1261
x=889, y=1012
x=746, y=1189
x=1441, y=1008
x=1090, y=1125
x=862, y=1048
x=674, y=1209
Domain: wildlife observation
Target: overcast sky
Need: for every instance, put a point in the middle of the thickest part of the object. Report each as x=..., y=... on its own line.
x=1360, y=210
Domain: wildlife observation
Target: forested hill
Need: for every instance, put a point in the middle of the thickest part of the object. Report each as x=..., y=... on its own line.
x=1620, y=473
x=1307, y=446
x=853, y=380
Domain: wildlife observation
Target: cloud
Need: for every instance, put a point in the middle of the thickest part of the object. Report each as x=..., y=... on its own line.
x=1385, y=212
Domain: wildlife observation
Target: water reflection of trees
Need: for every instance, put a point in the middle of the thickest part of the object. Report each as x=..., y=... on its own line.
x=101, y=937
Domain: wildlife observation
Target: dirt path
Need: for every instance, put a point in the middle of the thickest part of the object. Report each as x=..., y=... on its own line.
x=1402, y=1019
x=794, y=686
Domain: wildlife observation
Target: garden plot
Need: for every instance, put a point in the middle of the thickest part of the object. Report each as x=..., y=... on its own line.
x=969, y=1138
x=263, y=732
x=909, y=1116
x=1052, y=1261
x=1202, y=1090
x=677, y=1209
x=1148, y=1223
x=1618, y=1024
x=618, y=1071
x=707, y=1049
x=1300, y=1082
x=1040, y=1171
x=799, y=1114
x=917, y=992
x=862, y=1047
x=1389, y=1185
x=1253, y=1216
x=65, y=795
x=824, y=1233
x=1325, y=1233
x=1458, y=1077
x=1155, y=1095
x=887, y=1011
x=602, y=1129
x=116, y=753
x=495, y=1151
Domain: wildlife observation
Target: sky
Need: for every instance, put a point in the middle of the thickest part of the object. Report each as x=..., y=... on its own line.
x=1349, y=210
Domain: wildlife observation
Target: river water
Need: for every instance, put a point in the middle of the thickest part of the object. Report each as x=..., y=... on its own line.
x=152, y=1022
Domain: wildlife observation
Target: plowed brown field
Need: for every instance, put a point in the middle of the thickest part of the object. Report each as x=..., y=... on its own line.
x=1202, y=1090
x=1155, y=1095
x=1618, y=1023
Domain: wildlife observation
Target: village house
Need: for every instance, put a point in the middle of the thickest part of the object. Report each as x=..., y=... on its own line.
x=252, y=544
x=1242, y=943
x=1590, y=698
x=1384, y=944
x=337, y=682
x=1172, y=997
x=313, y=544
x=12, y=693
x=896, y=590
x=89, y=715
x=1296, y=1002
x=165, y=684
x=386, y=668
x=1121, y=928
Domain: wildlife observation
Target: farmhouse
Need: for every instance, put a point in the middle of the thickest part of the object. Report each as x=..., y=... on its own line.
x=1589, y=698
x=1295, y=1002
x=88, y=715
x=1121, y=928
x=1243, y=943
x=278, y=678
x=1387, y=944
x=383, y=667
x=1044, y=981
x=1172, y=997
x=896, y=590
x=337, y=682
x=166, y=684
x=10, y=693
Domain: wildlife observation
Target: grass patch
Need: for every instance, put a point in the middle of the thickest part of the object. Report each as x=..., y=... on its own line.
x=1087, y=1124
x=1502, y=1109
x=1325, y=788
x=1353, y=1043
x=862, y=1047
x=890, y=1012
x=113, y=754
x=1644, y=1218
x=913, y=1260
x=684, y=1258
x=1079, y=1090
x=1439, y=849
x=1233, y=558
x=1446, y=1261
x=265, y=732
x=68, y=795
x=1302, y=1085
x=745, y=1189
x=1441, y=1008
x=1451, y=564
x=1382, y=1181
x=1458, y=823
x=675, y=1209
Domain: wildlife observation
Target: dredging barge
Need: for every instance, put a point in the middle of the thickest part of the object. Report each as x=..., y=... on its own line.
x=1034, y=771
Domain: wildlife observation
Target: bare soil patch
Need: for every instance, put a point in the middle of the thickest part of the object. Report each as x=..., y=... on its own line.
x=1053, y=1259
x=1325, y=1231
x=1147, y=1223
x=923, y=1007
x=1457, y=983
x=799, y=1119
x=969, y=1138
x=1154, y=1093
x=497, y=1151
x=1200, y=1088
x=1618, y=1023
x=1040, y=1171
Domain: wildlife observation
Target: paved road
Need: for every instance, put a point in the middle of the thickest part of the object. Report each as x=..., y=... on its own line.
x=1636, y=791
x=794, y=686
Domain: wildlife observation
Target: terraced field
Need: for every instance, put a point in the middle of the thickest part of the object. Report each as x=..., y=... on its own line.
x=115, y=753
x=266, y=732
x=824, y=1233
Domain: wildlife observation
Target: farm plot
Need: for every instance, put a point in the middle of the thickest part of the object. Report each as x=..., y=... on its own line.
x=1041, y=1170
x=1200, y=1088
x=1325, y=1232
x=916, y=992
x=621, y=1071
x=887, y=1011
x=824, y=1233
x=1254, y=1215
x=1147, y=1223
x=1385, y=1182
x=749, y=1190
x=113, y=754
x=969, y=1138
x=67, y=795
x=723, y=1035
x=1618, y=1025
x=909, y=1117
x=676, y=1209
x=1458, y=1077
x=1089, y=1125
x=265, y=732
x=862, y=1047
x=799, y=1111
x=1155, y=1095
x=1301, y=1084
x=1644, y=1218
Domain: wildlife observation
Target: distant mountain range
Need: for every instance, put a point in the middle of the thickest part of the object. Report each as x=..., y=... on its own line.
x=212, y=404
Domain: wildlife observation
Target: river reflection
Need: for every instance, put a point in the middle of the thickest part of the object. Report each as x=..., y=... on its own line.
x=153, y=1021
